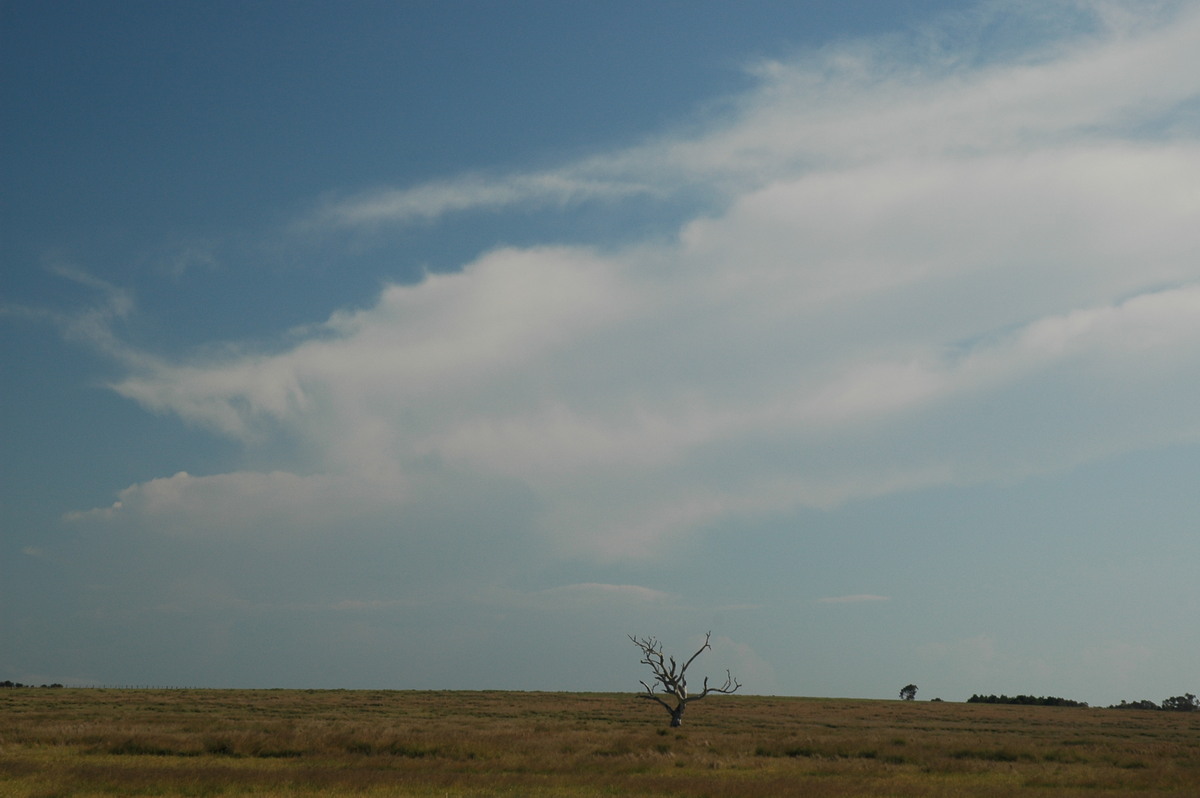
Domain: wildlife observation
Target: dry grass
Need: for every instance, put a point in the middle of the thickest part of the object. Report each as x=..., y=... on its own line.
x=374, y=743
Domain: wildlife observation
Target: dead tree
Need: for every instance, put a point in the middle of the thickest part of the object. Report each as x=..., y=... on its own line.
x=670, y=678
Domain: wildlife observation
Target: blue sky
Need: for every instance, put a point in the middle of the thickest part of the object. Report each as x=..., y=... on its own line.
x=442, y=345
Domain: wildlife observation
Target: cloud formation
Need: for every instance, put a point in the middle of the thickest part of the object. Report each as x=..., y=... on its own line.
x=857, y=598
x=914, y=269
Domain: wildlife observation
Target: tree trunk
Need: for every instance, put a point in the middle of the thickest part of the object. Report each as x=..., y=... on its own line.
x=677, y=716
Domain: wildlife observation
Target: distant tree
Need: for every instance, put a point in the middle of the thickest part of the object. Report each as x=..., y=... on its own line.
x=670, y=678
x=908, y=692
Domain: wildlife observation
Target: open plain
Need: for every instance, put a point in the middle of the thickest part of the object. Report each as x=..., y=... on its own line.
x=105, y=742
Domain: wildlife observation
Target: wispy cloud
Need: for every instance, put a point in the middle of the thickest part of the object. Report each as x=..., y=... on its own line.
x=857, y=598
x=97, y=323
x=429, y=201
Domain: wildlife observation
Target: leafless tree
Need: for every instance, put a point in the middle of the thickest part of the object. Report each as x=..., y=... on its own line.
x=670, y=678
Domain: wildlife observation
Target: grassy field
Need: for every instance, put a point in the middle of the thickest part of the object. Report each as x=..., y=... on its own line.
x=98, y=742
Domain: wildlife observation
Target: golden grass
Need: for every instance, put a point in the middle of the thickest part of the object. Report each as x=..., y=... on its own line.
x=94, y=742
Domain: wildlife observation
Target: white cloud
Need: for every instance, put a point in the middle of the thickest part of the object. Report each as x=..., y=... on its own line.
x=591, y=592
x=917, y=275
x=858, y=598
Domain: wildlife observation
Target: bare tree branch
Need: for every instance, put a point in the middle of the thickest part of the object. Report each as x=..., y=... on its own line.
x=670, y=678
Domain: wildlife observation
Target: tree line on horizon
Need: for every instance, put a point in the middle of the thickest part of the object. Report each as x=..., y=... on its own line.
x=1180, y=703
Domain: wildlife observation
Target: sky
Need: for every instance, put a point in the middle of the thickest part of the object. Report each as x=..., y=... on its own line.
x=442, y=345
